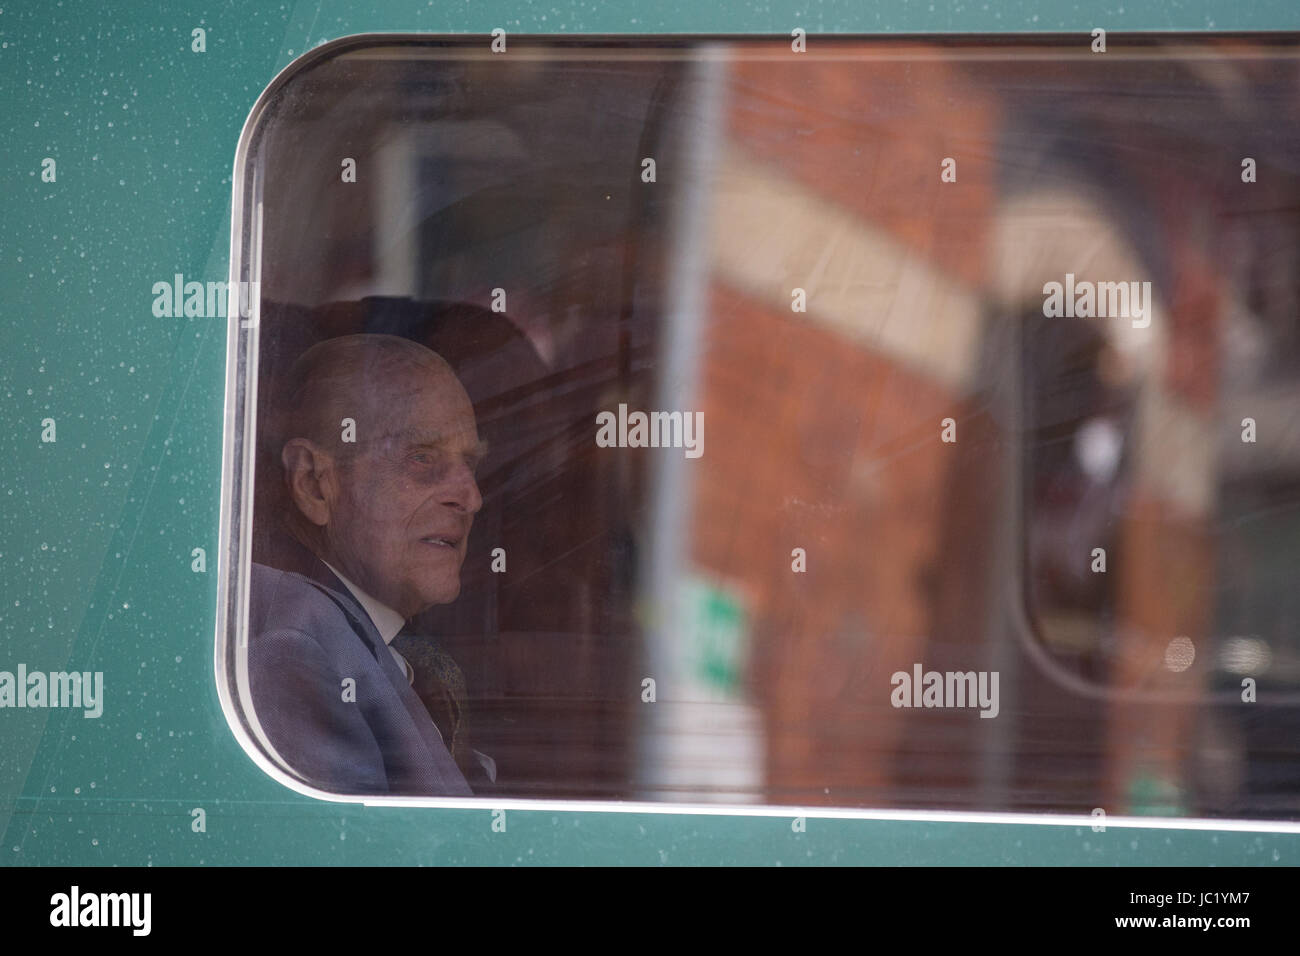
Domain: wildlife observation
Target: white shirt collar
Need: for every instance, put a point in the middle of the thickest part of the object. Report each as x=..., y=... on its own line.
x=387, y=621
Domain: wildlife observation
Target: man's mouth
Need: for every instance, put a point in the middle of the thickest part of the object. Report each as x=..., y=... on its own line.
x=443, y=541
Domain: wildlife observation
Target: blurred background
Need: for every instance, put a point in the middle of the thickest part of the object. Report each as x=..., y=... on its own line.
x=821, y=171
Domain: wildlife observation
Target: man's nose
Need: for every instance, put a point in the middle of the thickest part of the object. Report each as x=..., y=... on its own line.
x=462, y=492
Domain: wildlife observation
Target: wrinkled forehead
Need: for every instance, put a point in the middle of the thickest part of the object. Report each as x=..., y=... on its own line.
x=422, y=403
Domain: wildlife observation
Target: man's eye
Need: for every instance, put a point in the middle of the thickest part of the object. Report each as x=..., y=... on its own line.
x=420, y=458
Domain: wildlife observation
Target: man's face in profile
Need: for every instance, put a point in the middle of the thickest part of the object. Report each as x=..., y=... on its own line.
x=407, y=497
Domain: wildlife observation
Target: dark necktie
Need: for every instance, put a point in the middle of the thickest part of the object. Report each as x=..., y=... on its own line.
x=440, y=685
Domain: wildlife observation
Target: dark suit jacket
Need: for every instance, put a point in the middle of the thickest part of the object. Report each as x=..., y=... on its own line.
x=307, y=635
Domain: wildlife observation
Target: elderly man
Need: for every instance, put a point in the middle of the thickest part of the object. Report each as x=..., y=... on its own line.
x=379, y=447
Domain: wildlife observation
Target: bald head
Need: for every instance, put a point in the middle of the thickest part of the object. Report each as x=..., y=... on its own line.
x=353, y=376
x=379, y=448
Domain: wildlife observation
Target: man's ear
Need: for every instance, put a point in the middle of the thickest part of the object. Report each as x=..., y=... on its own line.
x=308, y=471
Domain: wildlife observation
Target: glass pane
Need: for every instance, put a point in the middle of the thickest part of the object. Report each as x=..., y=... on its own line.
x=891, y=424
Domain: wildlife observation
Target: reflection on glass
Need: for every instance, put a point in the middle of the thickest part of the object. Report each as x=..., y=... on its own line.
x=916, y=471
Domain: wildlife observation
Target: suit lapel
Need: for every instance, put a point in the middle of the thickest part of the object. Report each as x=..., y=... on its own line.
x=327, y=581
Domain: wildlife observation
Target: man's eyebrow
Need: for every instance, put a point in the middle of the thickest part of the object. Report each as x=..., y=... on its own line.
x=425, y=437
x=415, y=436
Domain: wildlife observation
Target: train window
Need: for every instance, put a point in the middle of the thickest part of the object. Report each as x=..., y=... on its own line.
x=854, y=424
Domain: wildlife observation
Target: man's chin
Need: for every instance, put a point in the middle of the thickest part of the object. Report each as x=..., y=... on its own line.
x=443, y=595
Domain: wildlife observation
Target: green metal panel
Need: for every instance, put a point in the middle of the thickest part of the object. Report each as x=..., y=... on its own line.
x=97, y=529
